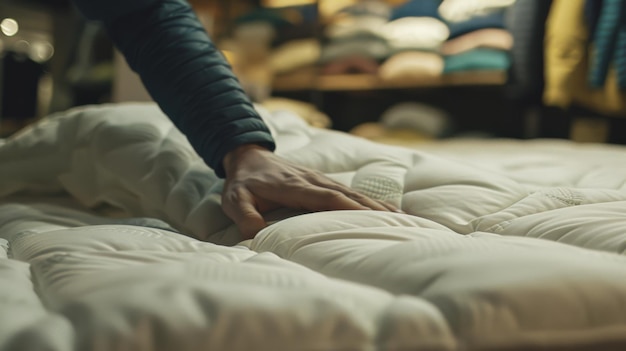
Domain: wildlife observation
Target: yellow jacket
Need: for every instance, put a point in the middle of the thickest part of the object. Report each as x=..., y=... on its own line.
x=567, y=53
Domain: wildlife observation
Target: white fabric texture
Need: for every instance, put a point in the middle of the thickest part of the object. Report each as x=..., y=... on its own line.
x=463, y=10
x=345, y=27
x=295, y=54
x=504, y=245
x=370, y=47
x=415, y=33
x=424, y=118
x=411, y=66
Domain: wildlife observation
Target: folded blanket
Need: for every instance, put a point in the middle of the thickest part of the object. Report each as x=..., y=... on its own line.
x=477, y=59
x=415, y=33
x=411, y=65
x=295, y=54
x=491, y=38
x=463, y=10
x=371, y=47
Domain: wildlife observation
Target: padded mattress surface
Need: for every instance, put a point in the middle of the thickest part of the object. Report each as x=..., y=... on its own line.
x=112, y=238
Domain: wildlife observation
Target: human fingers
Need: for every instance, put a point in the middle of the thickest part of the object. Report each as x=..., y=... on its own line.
x=239, y=205
x=300, y=193
x=316, y=192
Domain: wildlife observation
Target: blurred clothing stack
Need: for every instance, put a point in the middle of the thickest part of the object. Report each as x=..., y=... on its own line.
x=416, y=35
x=398, y=43
x=400, y=40
x=352, y=40
x=479, y=39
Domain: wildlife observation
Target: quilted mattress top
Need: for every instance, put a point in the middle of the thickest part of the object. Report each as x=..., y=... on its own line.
x=112, y=238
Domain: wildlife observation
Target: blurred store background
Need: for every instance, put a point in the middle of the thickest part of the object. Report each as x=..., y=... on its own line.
x=398, y=71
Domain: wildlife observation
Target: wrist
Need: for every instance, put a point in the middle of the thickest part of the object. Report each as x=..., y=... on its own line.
x=232, y=158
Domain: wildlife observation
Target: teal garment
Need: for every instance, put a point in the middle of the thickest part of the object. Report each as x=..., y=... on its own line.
x=165, y=43
x=477, y=59
x=608, y=22
x=269, y=16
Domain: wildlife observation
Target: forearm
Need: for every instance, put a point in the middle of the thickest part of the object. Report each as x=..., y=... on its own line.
x=189, y=79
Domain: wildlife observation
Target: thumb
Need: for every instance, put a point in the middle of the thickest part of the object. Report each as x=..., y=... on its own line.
x=246, y=216
x=250, y=224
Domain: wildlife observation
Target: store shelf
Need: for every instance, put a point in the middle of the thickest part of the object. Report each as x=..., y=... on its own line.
x=308, y=80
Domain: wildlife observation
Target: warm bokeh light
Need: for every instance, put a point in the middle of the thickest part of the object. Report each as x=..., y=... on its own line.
x=41, y=51
x=9, y=27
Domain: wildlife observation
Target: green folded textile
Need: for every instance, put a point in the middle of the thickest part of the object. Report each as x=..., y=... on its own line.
x=477, y=59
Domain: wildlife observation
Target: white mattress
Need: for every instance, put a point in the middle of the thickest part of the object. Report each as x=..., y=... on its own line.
x=505, y=245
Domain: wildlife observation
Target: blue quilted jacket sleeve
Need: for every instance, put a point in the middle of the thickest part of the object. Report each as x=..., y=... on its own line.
x=163, y=41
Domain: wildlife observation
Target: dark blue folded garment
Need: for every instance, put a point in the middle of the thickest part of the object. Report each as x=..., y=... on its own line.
x=417, y=8
x=492, y=20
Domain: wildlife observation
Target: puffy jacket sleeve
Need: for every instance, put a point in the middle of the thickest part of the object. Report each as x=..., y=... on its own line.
x=165, y=43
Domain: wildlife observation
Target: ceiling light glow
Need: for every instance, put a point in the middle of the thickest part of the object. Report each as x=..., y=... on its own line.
x=9, y=27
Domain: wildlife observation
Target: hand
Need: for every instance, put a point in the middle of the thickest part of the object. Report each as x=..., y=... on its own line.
x=258, y=181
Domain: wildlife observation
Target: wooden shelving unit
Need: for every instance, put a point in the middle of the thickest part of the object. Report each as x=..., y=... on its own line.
x=309, y=80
